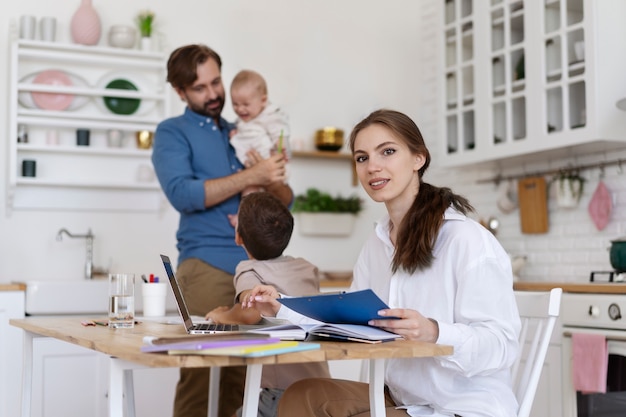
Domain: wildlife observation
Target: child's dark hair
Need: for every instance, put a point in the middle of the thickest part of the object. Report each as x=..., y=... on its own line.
x=265, y=225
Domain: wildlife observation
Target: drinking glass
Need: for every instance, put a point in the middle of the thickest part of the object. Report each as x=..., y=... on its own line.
x=121, y=300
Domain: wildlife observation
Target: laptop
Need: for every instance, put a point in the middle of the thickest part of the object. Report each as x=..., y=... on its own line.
x=199, y=328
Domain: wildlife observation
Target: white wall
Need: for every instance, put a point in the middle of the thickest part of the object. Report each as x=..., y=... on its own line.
x=326, y=63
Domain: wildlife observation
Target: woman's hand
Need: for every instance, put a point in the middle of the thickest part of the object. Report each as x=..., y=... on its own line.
x=263, y=299
x=410, y=324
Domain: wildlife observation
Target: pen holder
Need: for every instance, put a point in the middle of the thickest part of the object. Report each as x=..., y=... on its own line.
x=154, y=294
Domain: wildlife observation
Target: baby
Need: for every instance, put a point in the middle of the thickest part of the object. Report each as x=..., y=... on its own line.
x=260, y=125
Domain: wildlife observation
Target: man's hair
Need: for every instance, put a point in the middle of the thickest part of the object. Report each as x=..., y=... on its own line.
x=252, y=78
x=183, y=63
x=265, y=225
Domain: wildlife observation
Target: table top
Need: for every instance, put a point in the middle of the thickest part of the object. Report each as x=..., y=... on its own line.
x=125, y=344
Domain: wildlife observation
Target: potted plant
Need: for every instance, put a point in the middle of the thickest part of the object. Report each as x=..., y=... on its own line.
x=569, y=188
x=319, y=213
x=145, y=21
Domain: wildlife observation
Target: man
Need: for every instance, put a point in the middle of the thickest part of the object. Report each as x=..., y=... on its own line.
x=202, y=178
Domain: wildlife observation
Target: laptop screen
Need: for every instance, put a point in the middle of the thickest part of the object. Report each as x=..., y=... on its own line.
x=178, y=295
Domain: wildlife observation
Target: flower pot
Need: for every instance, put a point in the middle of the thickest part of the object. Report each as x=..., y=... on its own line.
x=325, y=224
x=146, y=44
x=568, y=192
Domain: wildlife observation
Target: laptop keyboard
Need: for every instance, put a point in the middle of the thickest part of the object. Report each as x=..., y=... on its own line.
x=213, y=327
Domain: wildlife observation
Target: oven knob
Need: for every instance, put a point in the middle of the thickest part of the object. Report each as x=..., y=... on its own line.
x=594, y=311
x=614, y=312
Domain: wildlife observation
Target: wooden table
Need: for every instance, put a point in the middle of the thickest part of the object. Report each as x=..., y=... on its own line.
x=122, y=346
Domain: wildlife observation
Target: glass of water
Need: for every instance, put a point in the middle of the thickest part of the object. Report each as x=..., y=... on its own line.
x=121, y=300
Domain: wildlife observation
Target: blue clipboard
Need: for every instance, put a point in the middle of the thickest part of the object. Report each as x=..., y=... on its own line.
x=356, y=307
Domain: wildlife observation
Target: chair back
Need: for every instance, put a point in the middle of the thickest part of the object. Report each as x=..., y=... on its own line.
x=538, y=312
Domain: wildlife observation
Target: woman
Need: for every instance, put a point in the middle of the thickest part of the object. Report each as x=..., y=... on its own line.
x=443, y=274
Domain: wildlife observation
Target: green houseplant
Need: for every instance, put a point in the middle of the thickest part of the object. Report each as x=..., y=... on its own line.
x=320, y=214
x=569, y=188
x=316, y=201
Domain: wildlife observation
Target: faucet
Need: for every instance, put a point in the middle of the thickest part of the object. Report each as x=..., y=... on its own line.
x=89, y=238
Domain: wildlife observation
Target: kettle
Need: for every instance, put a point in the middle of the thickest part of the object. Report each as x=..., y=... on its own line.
x=618, y=254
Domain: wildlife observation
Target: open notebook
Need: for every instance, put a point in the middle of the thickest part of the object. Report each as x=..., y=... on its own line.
x=344, y=316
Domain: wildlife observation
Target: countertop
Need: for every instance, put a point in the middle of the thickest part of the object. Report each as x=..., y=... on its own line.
x=591, y=287
x=12, y=287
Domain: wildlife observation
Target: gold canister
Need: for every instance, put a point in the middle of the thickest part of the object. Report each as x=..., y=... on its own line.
x=144, y=139
x=329, y=139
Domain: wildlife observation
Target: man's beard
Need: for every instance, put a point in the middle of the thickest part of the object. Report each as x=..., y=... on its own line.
x=205, y=110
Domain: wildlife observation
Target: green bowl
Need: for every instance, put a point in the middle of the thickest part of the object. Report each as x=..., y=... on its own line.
x=120, y=105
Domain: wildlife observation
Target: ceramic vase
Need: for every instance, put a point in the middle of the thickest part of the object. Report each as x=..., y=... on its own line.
x=86, y=26
x=146, y=43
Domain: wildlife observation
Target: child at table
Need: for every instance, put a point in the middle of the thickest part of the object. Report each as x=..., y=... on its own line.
x=264, y=230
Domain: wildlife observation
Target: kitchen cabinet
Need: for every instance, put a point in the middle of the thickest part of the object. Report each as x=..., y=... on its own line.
x=70, y=380
x=11, y=307
x=547, y=402
x=58, y=89
x=523, y=77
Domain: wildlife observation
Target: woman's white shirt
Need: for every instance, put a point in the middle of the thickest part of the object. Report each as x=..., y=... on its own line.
x=468, y=289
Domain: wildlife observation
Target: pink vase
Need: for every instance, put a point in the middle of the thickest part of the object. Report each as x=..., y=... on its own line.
x=85, y=25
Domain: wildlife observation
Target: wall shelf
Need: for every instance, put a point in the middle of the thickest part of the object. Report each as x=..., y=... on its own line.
x=329, y=155
x=100, y=176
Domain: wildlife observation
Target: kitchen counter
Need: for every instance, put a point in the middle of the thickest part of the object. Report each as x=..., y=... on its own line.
x=591, y=287
x=12, y=287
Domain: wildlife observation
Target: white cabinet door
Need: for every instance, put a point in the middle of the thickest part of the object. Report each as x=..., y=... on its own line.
x=72, y=381
x=11, y=341
x=549, y=392
x=68, y=380
x=524, y=77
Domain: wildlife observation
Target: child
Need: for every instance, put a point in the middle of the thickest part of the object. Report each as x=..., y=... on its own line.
x=260, y=126
x=264, y=229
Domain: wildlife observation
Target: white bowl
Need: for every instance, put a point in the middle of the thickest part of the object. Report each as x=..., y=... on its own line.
x=122, y=36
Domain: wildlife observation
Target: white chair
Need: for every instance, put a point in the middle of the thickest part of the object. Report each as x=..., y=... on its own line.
x=539, y=312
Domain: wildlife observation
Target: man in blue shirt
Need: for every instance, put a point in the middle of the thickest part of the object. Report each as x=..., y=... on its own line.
x=202, y=178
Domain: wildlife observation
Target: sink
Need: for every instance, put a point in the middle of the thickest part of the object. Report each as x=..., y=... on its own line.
x=78, y=297
x=67, y=297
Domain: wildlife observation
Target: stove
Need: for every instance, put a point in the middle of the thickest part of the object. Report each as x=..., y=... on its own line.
x=596, y=313
x=612, y=276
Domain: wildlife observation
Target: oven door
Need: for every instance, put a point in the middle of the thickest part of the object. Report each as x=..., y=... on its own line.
x=613, y=402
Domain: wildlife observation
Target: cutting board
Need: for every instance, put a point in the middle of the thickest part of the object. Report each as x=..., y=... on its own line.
x=533, y=204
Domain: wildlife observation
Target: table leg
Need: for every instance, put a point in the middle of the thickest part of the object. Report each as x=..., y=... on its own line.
x=251, y=391
x=121, y=388
x=27, y=373
x=214, y=391
x=377, y=387
x=116, y=388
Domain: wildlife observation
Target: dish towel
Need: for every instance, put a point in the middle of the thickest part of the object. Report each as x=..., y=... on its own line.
x=590, y=362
